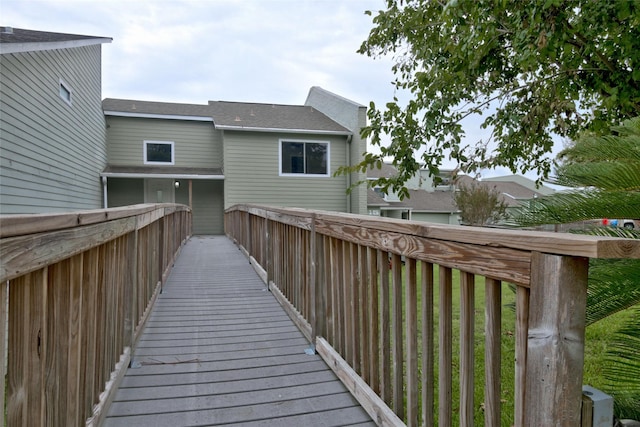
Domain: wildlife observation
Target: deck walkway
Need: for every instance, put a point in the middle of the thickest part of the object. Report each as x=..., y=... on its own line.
x=218, y=349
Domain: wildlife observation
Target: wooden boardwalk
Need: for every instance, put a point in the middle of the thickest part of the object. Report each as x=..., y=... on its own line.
x=218, y=349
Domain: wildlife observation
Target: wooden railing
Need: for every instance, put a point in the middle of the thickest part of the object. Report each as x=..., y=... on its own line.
x=375, y=298
x=75, y=291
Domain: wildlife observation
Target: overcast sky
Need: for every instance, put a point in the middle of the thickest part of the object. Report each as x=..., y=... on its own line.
x=193, y=51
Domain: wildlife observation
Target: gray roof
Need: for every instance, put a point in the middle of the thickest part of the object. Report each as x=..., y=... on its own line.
x=139, y=108
x=13, y=40
x=374, y=199
x=251, y=116
x=385, y=171
x=232, y=115
x=430, y=201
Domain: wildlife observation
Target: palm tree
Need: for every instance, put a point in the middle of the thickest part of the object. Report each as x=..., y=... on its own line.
x=604, y=172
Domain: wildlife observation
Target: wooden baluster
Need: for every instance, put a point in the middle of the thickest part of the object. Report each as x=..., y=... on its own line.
x=445, y=350
x=492, y=349
x=411, y=304
x=385, y=365
x=374, y=321
x=397, y=344
x=522, y=330
x=428, y=360
x=467, y=324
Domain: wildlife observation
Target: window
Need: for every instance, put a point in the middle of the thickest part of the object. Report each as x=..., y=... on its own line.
x=65, y=92
x=304, y=158
x=158, y=153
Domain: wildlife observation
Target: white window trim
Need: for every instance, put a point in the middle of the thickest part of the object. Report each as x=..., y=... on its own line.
x=67, y=88
x=304, y=175
x=173, y=152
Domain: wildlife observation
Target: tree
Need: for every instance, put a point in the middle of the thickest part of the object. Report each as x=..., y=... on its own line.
x=533, y=69
x=479, y=204
x=605, y=170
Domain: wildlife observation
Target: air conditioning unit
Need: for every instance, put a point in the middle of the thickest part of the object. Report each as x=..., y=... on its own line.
x=597, y=408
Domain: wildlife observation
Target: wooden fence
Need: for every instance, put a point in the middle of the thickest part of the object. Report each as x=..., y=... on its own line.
x=75, y=290
x=375, y=298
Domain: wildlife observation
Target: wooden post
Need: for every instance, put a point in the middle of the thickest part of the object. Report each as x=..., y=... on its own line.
x=313, y=293
x=191, y=193
x=555, y=348
x=4, y=303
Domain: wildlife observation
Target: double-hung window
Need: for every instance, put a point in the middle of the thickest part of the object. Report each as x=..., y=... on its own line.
x=159, y=153
x=304, y=158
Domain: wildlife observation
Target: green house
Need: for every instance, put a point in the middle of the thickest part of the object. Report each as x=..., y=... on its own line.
x=212, y=156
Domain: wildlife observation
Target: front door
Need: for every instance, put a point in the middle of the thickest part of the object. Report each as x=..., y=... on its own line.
x=159, y=191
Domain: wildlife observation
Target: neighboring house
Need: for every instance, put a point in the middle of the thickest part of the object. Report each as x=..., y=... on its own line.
x=52, y=129
x=435, y=202
x=426, y=202
x=212, y=156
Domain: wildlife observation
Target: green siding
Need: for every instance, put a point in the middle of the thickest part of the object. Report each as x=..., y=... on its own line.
x=252, y=173
x=51, y=153
x=125, y=191
x=440, y=218
x=208, y=207
x=196, y=144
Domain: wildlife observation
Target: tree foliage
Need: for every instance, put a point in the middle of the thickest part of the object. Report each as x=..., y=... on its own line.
x=532, y=69
x=479, y=204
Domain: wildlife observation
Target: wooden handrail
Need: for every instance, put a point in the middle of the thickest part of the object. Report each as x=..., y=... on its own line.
x=78, y=288
x=350, y=282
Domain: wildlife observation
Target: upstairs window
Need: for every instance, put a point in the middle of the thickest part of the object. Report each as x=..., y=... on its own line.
x=159, y=153
x=65, y=92
x=304, y=158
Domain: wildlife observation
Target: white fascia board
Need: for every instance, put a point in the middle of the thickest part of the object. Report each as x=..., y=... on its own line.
x=158, y=116
x=282, y=130
x=160, y=175
x=34, y=47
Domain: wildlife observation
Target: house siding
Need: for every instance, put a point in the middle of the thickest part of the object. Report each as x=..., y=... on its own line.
x=439, y=218
x=51, y=153
x=196, y=144
x=208, y=207
x=125, y=191
x=252, y=173
x=353, y=116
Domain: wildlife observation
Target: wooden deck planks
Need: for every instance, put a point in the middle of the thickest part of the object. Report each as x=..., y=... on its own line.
x=218, y=349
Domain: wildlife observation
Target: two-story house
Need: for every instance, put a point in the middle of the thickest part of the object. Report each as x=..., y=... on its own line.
x=212, y=156
x=52, y=129
x=62, y=148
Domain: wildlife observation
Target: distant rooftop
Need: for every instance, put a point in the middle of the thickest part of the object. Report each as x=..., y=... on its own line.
x=16, y=40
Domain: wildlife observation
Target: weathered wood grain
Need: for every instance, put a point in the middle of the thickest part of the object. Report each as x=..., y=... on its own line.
x=445, y=351
x=467, y=324
x=492, y=350
x=24, y=254
x=428, y=347
x=411, y=338
x=501, y=263
x=530, y=241
x=397, y=345
x=555, y=348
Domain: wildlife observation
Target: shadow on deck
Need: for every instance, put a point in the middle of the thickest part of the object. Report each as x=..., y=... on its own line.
x=219, y=349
